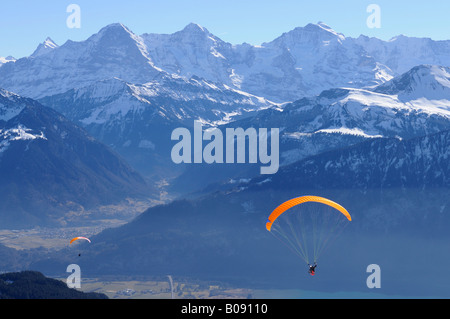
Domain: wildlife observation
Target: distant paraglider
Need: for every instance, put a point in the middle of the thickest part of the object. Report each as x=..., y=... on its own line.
x=79, y=238
x=307, y=224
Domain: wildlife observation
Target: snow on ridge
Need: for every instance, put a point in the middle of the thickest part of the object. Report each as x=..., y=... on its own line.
x=18, y=133
x=341, y=130
x=327, y=28
x=50, y=43
x=21, y=132
x=4, y=60
x=367, y=98
x=348, y=131
x=7, y=94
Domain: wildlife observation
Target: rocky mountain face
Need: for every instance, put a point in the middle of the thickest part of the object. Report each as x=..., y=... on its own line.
x=137, y=120
x=112, y=52
x=51, y=167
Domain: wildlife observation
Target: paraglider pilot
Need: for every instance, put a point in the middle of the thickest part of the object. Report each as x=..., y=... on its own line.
x=312, y=269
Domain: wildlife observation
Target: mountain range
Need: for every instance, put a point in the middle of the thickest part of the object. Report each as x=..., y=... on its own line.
x=113, y=52
x=362, y=121
x=302, y=62
x=414, y=104
x=130, y=92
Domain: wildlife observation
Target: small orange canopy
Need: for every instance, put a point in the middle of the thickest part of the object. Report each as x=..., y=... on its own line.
x=78, y=238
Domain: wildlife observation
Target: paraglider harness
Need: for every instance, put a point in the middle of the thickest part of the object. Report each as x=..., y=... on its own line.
x=312, y=269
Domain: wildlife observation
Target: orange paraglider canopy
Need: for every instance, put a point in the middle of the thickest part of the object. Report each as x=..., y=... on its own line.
x=299, y=200
x=78, y=238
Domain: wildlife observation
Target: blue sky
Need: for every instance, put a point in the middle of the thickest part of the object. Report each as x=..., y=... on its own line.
x=26, y=23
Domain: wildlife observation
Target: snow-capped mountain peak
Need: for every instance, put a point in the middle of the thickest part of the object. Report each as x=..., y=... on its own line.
x=45, y=47
x=50, y=43
x=114, y=27
x=117, y=34
x=195, y=28
x=120, y=39
x=312, y=34
x=319, y=26
x=112, y=52
x=198, y=40
x=423, y=81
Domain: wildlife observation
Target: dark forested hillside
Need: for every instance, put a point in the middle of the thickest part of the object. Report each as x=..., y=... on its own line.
x=34, y=285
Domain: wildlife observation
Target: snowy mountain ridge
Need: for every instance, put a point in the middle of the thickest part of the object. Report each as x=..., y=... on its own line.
x=225, y=102
x=423, y=81
x=402, y=53
x=285, y=69
x=302, y=62
x=45, y=47
x=113, y=52
x=137, y=119
x=343, y=116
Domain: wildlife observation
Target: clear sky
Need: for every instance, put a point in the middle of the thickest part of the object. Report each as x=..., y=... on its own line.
x=26, y=23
